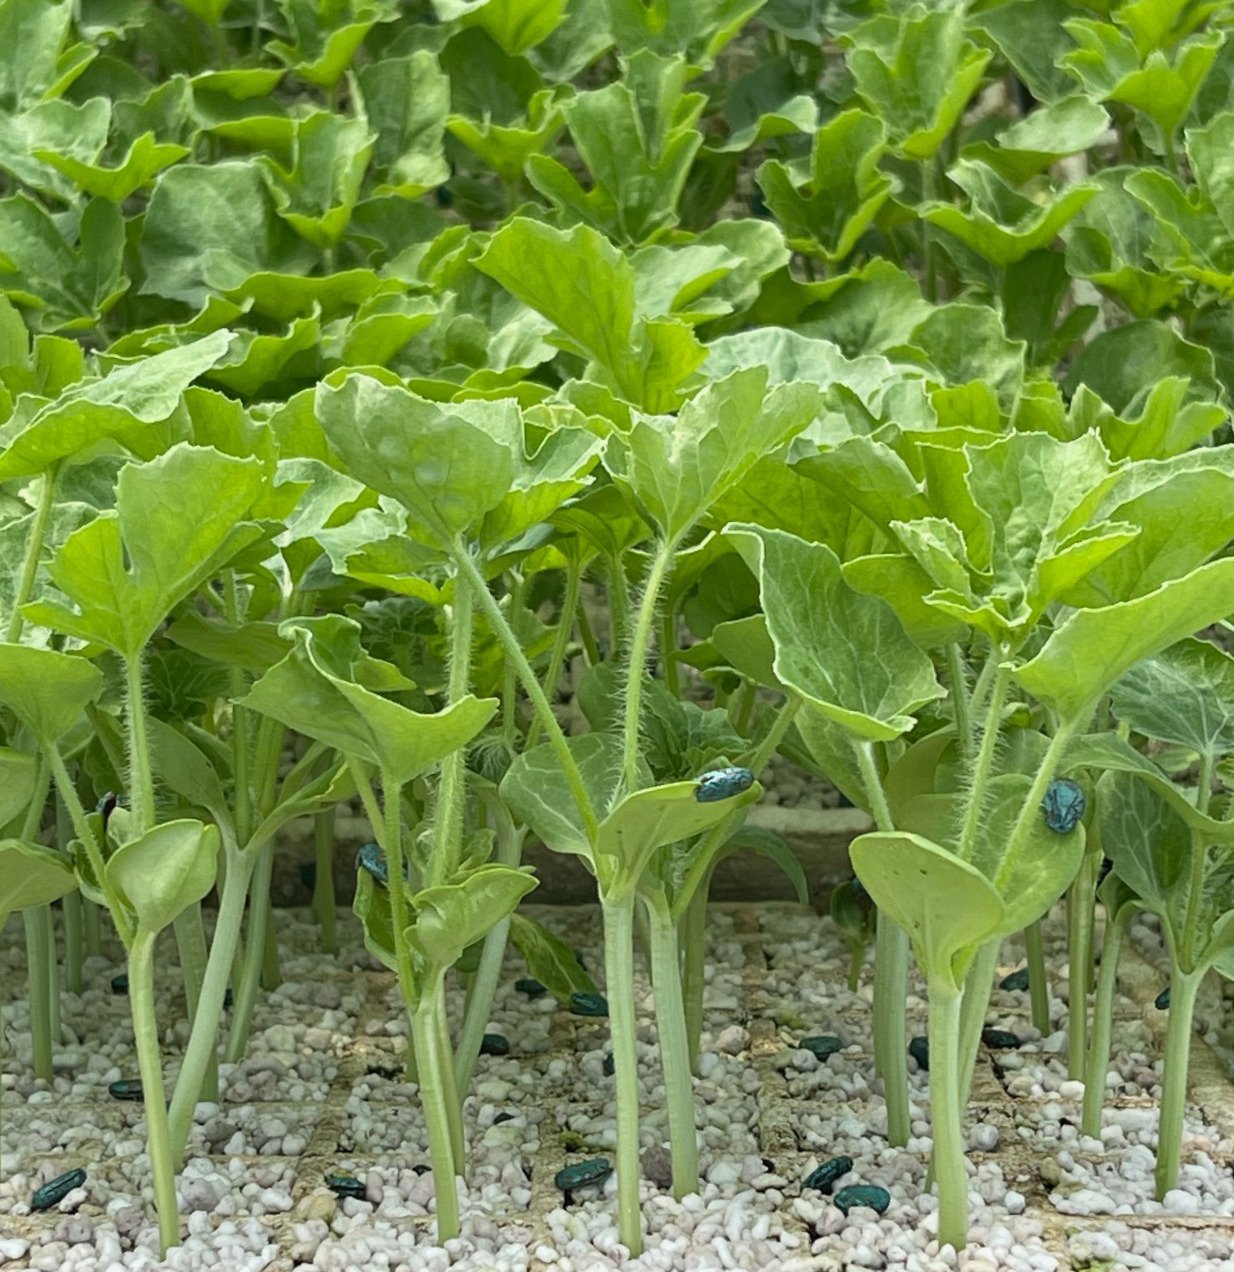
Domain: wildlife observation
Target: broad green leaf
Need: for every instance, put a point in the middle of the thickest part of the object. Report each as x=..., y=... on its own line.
x=406, y=101
x=209, y=227
x=1044, y=136
x=517, y=25
x=904, y=585
x=314, y=691
x=120, y=406
x=177, y=520
x=549, y=959
x=165, y=871
x=766, y=843
x=1093, y=648
x=317, y=191
x=652, y=818
x=506, y=147
x=1184, y=694
x=698, y=28
x=134, y=170
x=916, y=70
x=1110, y=68
x=674, y=467
x=826, y=207
x=459, y=468
x=36, y=64
x=824, y=632
x=70, y=132
x=1149, y=844
x=584, y=286
x=31, y=875
x=19, y=775
x=48, y=691
x=1000, y=224
x=453, y=916
x=185, y=769
x=536, y=790
x=1124, y=363
x=1030, y=34
x=1031, y=879
x=327, y=36
x=963, y=343
x=68, y=272
x=946, y=907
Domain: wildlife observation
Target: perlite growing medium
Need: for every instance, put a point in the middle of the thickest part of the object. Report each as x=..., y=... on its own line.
x=322, y=1094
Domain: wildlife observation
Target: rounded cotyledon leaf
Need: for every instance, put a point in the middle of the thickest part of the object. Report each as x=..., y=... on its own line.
x=31, y=875
x=947, y=907
x=165, y=871
x=45, y=689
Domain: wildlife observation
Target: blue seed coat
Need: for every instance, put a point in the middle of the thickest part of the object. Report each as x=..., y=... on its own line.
x=722, y=784
x=1063, y=805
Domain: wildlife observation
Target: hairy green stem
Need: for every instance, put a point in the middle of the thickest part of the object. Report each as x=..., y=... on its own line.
x=946, y=1112
x=92, y=922
x=325, y=905
x=890, y=979
x=433, y=1098
x=484, y=985
x=618, y=602
x=619, y=985
x=34, y=549
x=141, y=779
x=150, y=1065
x=449, y=1088
x=1184, y=987
x=254, y=950
x=975, y=1000
x=640, y=645
x=674, y=1044
x=1081, y=900
x=452, y=789
x=693, y=939
x=587, y=634
x=469, y=571
x=1038, y=979
x=201, y=1054
x=37, y=920
x=984, y=766
x=1098, y=1059
x=959, y=696
x=74, y=946
x=191, y=943
x=668, y=649
x=85, y=834
x=856, y=960
x=561, y=641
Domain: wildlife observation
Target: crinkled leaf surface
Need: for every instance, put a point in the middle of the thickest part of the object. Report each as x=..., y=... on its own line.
x=452, y=916
x=314, y=691
x=177, y=520
x=845, y=653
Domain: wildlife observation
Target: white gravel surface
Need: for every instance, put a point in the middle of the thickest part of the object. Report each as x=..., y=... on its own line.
x=322, y=1090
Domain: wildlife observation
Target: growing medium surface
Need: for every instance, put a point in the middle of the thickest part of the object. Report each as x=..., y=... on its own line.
x=321, y=1092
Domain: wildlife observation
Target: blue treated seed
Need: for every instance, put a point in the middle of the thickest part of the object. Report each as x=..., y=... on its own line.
x=824, y=1177
x=608, y=1065
x=999, y=1039
x=346, y=1186
x=722, y=784
x=595, y=1170
x=588, y=1004
x=125, y=1089
x=529, y=986
x=372, y=859
x=869, y=1195
x=120, y=984
x=57, y=1190
x=822, y=1045
x=1017, y=980
x=494, y=1044
x=1063, y=805
x=1162, y=1002
x=919, y=1049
